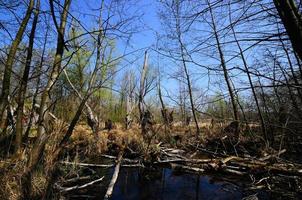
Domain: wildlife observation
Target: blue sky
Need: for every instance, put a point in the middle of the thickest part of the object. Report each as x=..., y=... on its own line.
x=149, y=24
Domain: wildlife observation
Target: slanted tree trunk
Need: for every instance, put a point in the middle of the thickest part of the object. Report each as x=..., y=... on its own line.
x=34, y=101
x=23, y=85
x=10, y=60
x=225, y=70
x=93, y=122
x=250, y=80
x=292, y=21
x=40, y=142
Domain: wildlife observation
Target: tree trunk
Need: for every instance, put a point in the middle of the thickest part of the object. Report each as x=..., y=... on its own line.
x=23, y=85
x=292, y=21
x=34, y=102
x=10, y=60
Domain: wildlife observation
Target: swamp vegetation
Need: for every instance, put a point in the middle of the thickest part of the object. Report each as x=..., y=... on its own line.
x=163, y=99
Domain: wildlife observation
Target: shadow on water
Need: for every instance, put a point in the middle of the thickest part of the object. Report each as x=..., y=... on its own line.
x=164, y=184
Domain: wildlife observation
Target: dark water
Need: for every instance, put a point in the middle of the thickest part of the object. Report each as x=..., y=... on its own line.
x=171, y=186
x=165, y=184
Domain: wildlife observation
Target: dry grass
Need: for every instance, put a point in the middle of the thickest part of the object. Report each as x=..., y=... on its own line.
x=11, y=173
x=85, y=143
x=9, y=187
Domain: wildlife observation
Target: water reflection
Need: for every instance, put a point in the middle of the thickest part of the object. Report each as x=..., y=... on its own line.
x=161, y=184
x=167, y=185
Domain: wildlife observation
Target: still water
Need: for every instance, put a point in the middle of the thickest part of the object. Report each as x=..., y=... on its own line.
x=165, y=184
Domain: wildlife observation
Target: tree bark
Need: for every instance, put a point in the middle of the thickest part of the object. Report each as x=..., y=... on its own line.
x=292, y=21
x=114, y=177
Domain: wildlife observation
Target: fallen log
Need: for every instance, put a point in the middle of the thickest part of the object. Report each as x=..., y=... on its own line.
x=114, y=177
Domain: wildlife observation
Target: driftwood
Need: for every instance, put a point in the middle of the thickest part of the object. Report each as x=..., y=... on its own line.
x=114, y=177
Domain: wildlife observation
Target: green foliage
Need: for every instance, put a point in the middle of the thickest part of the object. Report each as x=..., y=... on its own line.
x=218, y=106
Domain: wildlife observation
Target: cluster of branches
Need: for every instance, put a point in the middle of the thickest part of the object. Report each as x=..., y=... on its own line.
x=253, y=45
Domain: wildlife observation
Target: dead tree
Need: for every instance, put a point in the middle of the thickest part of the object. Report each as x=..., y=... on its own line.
x=108, y=125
